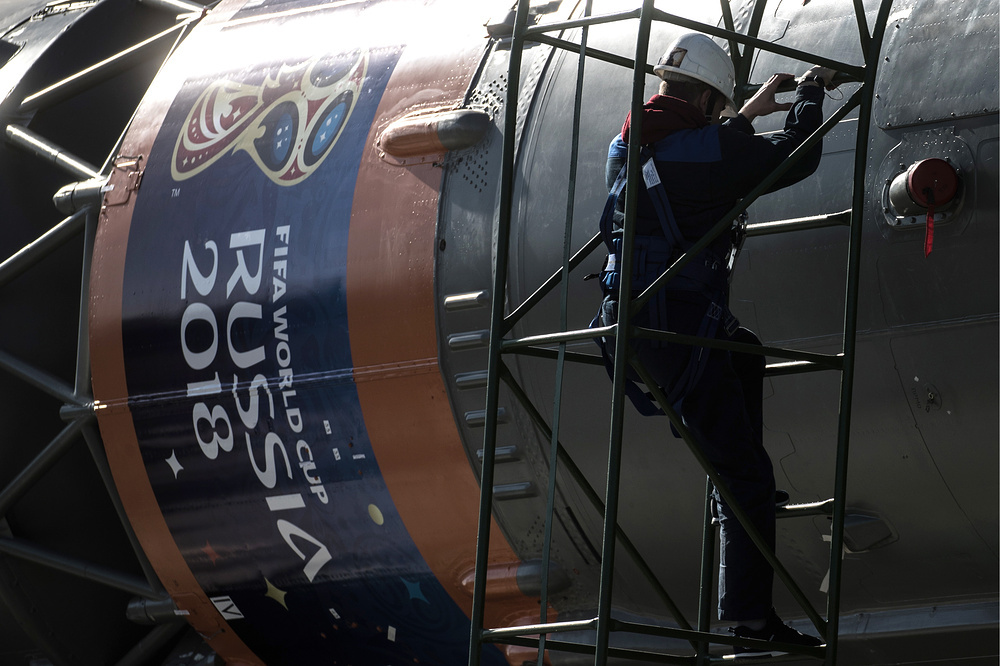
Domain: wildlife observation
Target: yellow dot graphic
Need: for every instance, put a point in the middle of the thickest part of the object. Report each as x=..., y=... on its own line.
x=375, y=514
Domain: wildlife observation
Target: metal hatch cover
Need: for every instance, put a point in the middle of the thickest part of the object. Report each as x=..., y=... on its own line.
x=932, y=54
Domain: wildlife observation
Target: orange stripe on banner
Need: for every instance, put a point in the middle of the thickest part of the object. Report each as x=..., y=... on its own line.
x=391, y=318
x=115, y=419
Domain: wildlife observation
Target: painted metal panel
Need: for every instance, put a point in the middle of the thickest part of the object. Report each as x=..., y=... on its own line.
x=940, y=63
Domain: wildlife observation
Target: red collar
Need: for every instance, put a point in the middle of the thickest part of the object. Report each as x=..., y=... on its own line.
x=662, y=115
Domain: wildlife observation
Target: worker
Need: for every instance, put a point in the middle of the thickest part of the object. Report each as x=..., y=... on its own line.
x=695, y=170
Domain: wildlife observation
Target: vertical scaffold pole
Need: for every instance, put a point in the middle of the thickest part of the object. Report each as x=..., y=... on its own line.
x=707, y=574
x=622, y=341
x=501, y=249
x=563, y=326
x=871, y=55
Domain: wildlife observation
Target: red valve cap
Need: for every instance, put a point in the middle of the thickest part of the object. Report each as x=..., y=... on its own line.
x=932, y=182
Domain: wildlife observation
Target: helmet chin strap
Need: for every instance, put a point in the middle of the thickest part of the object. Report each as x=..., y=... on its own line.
x=713, y=99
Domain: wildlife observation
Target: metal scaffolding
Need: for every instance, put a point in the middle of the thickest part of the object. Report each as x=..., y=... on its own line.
x=81, y=202
x=502, y=323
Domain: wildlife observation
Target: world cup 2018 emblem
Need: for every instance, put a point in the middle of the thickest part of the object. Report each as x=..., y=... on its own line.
x=287, y=124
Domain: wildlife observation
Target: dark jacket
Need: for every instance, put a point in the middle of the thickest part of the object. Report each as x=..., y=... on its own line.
x=711, y=167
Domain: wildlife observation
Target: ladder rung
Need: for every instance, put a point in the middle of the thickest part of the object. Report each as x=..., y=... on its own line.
x=822, y=508
x=843, y=218
x=793, y=368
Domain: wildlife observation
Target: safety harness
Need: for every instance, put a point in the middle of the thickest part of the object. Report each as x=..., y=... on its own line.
x=706, y=274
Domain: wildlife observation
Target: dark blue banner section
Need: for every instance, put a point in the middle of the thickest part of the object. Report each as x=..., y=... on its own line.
x=239, y=369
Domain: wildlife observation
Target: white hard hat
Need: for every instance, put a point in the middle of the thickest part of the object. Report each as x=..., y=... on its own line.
x=696, y=56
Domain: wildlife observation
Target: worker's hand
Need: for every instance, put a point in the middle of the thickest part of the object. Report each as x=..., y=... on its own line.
x=763, y=102
x=824, y=73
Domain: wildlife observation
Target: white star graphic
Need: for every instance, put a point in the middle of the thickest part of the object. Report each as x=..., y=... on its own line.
x=175, y=466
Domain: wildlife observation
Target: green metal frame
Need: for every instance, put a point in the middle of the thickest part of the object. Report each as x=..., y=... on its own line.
x=541, y=345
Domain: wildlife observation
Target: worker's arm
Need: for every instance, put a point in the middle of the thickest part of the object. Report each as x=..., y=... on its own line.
x=748, y=158
x=763, y=102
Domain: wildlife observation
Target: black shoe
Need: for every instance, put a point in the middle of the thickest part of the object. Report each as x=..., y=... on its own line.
x=776, y=631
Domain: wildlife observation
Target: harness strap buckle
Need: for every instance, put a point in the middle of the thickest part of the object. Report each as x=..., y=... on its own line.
x=731, y=324
x=722, y=314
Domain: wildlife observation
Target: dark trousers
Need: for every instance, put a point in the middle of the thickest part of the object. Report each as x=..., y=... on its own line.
x=724, y=412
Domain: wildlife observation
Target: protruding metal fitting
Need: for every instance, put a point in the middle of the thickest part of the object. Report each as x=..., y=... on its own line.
x=71, y=412
x=511, y=580
x=152, y=611
x=75, y=196
x=422, y=134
